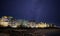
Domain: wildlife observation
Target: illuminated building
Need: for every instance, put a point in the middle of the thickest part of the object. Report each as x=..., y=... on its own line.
x=4, y=21
x=10, y=21
x=42, y=25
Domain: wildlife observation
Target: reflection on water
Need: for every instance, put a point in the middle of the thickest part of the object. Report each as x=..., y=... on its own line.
x=30, y=32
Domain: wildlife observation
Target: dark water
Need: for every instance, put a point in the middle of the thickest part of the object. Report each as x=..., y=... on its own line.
x=30, y=32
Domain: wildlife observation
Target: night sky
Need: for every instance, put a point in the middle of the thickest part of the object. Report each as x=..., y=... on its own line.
x=39, y=10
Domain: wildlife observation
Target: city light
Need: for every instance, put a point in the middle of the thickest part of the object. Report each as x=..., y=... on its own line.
x=6, y=21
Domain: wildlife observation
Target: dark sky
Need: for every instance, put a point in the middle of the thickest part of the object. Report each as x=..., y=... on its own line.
x=39, y=10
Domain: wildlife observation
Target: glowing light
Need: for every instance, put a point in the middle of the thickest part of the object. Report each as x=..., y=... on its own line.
x=5, y=24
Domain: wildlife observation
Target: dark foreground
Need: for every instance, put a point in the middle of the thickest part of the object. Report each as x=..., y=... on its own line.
x=29, y=32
